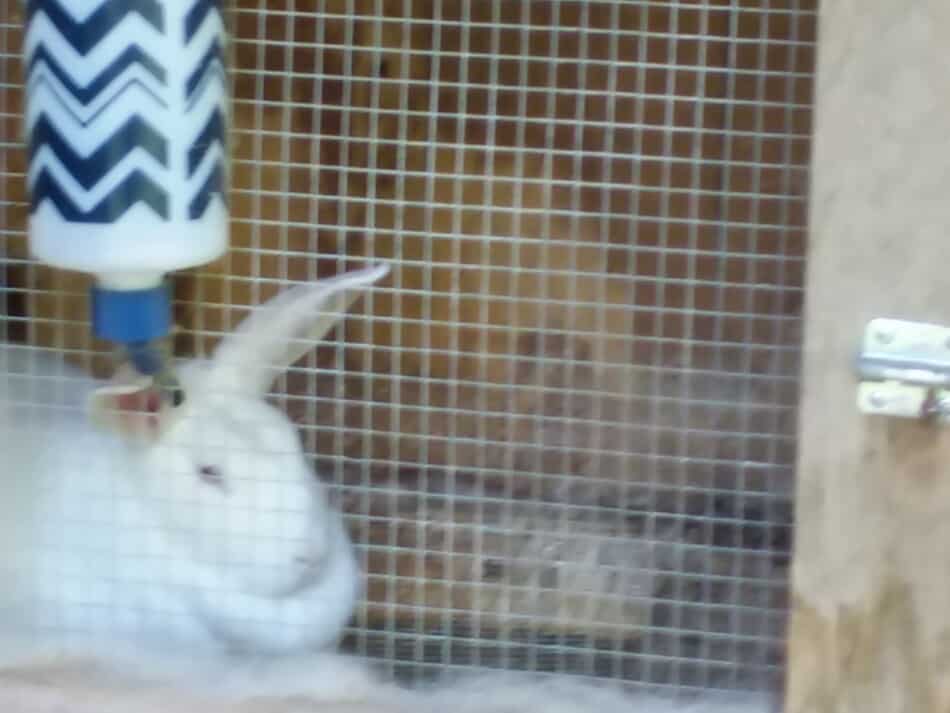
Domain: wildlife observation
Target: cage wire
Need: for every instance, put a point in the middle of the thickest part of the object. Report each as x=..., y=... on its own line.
x=563, y=431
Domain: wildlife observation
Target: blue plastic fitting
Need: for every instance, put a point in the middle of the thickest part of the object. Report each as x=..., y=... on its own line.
x=134, y=319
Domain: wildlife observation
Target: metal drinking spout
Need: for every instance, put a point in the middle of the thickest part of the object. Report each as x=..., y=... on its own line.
x=137, y=318
x=154, y=359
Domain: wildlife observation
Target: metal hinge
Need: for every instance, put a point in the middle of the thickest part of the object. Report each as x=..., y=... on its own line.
x=904, y=370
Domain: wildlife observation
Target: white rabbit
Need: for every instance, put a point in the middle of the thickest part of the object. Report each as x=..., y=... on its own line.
x=199, y=527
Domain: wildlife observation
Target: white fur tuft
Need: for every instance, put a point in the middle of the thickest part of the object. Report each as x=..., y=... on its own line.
x=330, y=683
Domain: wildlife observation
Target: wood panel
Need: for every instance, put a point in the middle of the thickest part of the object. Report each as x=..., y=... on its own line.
x=871, y=578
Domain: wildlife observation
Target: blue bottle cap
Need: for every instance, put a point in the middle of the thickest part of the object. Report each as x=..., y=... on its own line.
x=131, y=316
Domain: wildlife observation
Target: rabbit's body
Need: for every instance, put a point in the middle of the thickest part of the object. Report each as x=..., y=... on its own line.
x=199, y=527
x=94, y=560
x=94, y=557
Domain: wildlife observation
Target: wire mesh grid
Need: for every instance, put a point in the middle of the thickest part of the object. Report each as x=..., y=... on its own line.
x=563, y=431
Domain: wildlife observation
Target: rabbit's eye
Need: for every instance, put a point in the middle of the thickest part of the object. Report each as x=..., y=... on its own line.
x=211, y=475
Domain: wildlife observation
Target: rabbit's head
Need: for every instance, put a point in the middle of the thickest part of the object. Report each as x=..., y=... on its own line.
x=225, y=471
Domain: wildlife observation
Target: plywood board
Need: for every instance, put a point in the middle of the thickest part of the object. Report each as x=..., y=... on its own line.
x=870, y=626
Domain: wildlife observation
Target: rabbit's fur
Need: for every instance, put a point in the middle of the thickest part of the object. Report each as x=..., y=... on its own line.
x=200, y=525
x=324, y=683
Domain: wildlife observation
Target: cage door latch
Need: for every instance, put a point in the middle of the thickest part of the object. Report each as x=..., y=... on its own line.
x=904, y=370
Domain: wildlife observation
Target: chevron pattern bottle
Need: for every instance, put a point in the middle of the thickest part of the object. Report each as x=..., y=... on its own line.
x=126, y=114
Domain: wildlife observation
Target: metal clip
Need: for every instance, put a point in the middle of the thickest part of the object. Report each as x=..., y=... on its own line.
x=154, y=359
x=904, y=370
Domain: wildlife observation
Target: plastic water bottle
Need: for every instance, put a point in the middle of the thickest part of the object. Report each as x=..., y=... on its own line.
x=126, y=117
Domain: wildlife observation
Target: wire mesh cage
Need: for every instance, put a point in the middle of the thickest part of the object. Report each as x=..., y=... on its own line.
x=562, y=432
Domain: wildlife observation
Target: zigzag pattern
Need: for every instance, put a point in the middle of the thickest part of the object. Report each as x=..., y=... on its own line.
x=211, y=135
x=135, y=188
x=99, y=92
x=43, y=87
x=86, y=34
x=197, y=14
x=90, y=170
x=208, y=67
x=132, y=70
x=203, y=24
x=94, y=151
x=213, y=186
x=43, y=64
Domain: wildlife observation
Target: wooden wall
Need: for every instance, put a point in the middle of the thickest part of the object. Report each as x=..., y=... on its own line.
x=871, y=574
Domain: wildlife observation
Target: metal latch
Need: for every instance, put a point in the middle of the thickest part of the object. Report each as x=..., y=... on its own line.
x=904, y=370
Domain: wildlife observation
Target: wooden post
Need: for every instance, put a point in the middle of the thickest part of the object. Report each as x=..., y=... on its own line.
x=870, y=627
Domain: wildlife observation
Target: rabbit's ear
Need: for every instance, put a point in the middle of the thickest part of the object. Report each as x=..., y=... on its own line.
x=280, y=331
x=130, y=406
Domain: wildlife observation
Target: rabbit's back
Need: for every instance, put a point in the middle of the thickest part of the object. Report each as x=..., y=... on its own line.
x=83, y=555
x=40, y=399
x=89, y=559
